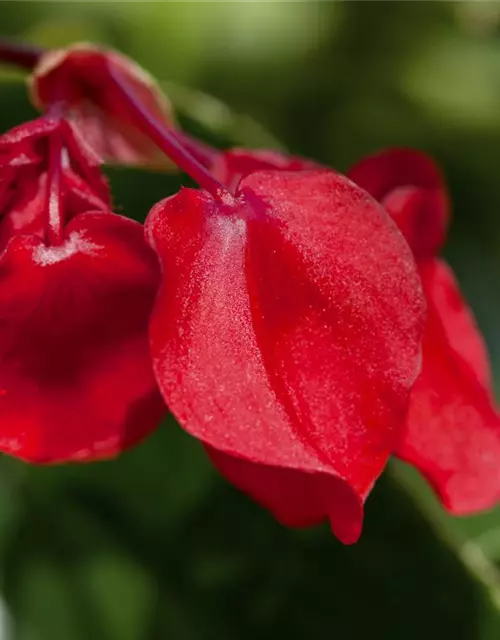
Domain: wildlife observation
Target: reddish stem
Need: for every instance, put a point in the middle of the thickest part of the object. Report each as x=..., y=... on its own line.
x=204, y=153
x=166, y=140
x=191, y=155
x=55, y=195
x=20, y=54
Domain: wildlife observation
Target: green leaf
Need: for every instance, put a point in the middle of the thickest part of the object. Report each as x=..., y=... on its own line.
x=104, y=548
x=216, y=120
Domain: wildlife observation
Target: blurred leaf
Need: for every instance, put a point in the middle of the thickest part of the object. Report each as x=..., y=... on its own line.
x=135, y=191
x=218, y=119
x=458, y=78
x=475, y=535
x=226, y=569
x=46, y=606
x=12, y=75
x=15, y=106
x=61, y=29
x=124, y=595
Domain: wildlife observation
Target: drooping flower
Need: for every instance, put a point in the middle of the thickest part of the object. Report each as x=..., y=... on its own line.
x=453, y=426
x=77, y=284
x=79, y=76
x=286, y=337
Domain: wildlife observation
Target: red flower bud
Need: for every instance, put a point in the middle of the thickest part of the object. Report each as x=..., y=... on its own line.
x=79, y=77
x=453, y=426
x=286, y=337
x=77, y=284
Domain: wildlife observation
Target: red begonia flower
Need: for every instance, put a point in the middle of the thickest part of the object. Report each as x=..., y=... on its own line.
x=453, y=428
x=79, y=76
x=286, y=337
x=77, y=284
x=231, y=166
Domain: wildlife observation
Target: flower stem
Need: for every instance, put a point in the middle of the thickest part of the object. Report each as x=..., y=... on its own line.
x=204, y=153
x=20, y=54
x=191, y=155
x=165, y=139
x=55, y=196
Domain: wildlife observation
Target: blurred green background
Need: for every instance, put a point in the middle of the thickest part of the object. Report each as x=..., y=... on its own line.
x=154, y=546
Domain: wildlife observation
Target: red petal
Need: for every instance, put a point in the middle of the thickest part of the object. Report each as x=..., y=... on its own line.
x=81, y=197
x=296, y=498
x=410, y=186
x=453, y=429
x=28, y=131
x=79, y=75
x=75, y=375
x=23, y=163
x=23, y=210
x=287, y=330
x=23, y=183
x=233, y=165
x=85, y=163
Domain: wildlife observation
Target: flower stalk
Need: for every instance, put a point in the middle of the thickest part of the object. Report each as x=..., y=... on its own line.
x=20, y=54
x=165, y=139
x=55, y=195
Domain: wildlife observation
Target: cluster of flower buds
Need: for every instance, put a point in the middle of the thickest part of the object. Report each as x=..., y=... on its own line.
x=298, y=322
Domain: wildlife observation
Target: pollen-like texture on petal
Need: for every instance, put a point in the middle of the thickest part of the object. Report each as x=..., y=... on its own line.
x=411, y=188
x=453, y=427
x=79, y=75
x=76, y=381
x=286, y=333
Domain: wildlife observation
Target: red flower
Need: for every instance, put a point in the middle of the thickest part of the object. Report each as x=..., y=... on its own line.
x=453, y=428
x=286, y=337
x=77, y=284
x=79, y=76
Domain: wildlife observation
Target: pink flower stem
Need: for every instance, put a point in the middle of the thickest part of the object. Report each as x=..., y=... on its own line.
x=165, y=139
x=55, y=195
x=20, y=54
x=204, y=153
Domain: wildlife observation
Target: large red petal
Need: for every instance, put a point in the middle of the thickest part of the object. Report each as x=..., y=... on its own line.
x=76, y=381
x=411, y=188
x=453, y=429
x=287, y=331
